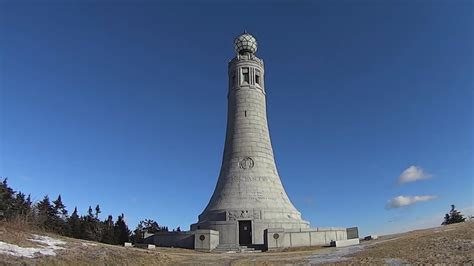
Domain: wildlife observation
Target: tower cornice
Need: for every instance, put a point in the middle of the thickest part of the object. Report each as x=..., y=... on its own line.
x=246, y=58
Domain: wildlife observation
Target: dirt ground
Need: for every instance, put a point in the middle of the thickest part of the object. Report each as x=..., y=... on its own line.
x=453, y=244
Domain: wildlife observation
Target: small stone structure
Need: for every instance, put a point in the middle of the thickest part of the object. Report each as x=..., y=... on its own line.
x=352, y=232
x=345, y=243
x=206, y=240
x=371, y=237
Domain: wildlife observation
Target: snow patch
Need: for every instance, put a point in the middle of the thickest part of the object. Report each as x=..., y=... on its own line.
x=49, y=250
x=46, y=240
x=395, y=262
x=339, y=254
x=88, y=244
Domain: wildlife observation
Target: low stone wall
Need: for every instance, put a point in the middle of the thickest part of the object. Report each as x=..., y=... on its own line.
x=275, y=238
x=285, y=238
x=172, y=239
x=203, y=239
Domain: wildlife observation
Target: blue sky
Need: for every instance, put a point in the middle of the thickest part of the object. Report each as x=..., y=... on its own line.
x=124, y=104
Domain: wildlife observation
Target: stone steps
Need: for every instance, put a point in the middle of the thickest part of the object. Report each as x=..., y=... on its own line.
x=224, y=248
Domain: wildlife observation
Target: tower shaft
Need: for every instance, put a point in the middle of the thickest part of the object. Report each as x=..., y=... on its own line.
x=249, y=188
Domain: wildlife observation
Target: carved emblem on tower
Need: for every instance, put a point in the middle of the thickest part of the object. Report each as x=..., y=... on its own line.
x=243, y=214
x=246, y=163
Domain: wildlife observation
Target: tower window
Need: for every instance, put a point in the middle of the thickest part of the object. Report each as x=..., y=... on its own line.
x=233, y=80
x=245, y=75
x=257, y=77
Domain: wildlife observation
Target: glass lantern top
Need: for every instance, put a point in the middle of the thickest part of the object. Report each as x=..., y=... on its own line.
x=245, y=43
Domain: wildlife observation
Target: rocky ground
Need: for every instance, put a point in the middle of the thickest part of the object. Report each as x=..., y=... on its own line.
x=453, y=244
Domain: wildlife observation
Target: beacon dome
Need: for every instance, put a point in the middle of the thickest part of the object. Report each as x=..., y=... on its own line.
x=245, y=43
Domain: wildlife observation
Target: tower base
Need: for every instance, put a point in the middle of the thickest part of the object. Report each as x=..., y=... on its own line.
x=246, y=231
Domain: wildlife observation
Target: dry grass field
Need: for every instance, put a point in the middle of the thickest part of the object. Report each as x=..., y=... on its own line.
x=453, y=244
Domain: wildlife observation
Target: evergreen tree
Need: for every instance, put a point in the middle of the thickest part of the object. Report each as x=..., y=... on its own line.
x=446, y=219
x=59, y=222
x=22, y=207
x=108, y=235
x=59, y=208
x=45, y=215
x=121, y=231
x=89, y=213
x=92, y=227
x=453, y=217
x=145, y=226
x=97, y=211
x=74, y=225
x=7, y=202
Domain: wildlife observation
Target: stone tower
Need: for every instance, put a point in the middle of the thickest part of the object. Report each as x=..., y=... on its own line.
x=249, y=196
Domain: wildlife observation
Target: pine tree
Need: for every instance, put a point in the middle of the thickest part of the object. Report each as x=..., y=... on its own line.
x=121, y=231
x=453, y=217
x=108, y=235
x=97, y=211
x=59, y=222
x=45, y=213
x=7, y=201
x=92, y=227
x=59, y=208
x=145, y=226
x=74, y=225
x=89, y=213
x=446, y=219
x=22, y=207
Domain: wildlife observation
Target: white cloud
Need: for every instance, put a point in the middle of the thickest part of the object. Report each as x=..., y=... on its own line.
x=404, y=201
x=412, y=174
